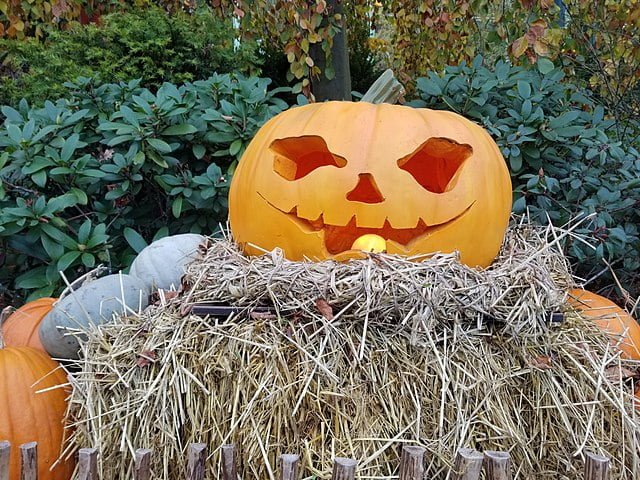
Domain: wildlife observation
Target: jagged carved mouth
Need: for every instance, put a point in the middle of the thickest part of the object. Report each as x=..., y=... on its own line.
x=340, y=238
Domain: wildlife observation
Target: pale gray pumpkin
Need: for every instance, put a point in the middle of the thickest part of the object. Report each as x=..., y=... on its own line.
x=163, y=263
x=92, y=303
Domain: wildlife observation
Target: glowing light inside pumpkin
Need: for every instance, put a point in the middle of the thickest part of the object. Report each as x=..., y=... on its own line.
x=370, y=243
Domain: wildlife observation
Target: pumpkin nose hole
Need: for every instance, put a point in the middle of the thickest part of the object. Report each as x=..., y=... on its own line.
x=366, y=190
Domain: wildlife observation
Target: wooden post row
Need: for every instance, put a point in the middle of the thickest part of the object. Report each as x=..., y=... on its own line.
x=467, y=465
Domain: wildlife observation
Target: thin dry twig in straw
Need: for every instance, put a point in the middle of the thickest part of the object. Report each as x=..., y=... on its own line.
x=451, y=357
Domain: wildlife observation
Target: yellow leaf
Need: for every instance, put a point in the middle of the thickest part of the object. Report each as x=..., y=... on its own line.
x=309, y=61
x=540, y=48
x=519, y=47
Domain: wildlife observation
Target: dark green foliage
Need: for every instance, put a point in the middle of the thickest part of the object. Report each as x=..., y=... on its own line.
x=82, y=180
x=563, y=153
x=148, y=44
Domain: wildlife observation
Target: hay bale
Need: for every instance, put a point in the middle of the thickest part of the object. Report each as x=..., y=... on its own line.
x=357, y=359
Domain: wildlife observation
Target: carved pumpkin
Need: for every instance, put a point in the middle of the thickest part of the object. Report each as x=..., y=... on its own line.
x=27, y=416
x=317, y=178
x=21, y=329
x=621, y=327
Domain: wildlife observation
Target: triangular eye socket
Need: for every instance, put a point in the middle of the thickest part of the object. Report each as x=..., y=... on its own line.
x=436, y=162
x=296, y=157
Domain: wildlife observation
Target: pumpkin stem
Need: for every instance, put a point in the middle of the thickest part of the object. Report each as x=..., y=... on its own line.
x=386, y=89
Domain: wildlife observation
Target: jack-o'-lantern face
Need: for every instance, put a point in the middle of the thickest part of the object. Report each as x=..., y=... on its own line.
x=317, y=178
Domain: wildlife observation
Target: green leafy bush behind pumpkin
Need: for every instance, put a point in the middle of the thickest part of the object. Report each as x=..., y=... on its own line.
x=90, y=178
x=565, y=155
x=149, y=44
x=86, y=180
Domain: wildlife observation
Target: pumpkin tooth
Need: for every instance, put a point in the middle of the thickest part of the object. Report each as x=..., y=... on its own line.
x=338, y=216
x=318, y=223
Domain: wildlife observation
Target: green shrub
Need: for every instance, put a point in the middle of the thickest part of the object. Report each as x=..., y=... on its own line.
x=88, y=179
x=148, y=44
x=563, y=153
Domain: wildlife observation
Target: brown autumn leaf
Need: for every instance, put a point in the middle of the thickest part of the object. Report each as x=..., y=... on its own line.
x=238, y=12
x=262, y=316
x=59, y=8
x=146, y=358
x=538, y=28
x=543, y=362
x=615, y=374
x=324, y=308
x=169, y=294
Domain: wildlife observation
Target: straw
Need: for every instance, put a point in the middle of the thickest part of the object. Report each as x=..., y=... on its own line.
x=358, y=359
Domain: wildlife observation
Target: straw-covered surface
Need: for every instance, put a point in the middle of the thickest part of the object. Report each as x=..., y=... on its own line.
x=357, y=359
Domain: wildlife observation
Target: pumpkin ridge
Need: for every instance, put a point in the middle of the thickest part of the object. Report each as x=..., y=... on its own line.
x=46, y=381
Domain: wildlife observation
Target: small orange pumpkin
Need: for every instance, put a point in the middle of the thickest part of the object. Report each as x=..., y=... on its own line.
x=621, y=327
x=28, y=416
x=316, y=178
x=21, y=329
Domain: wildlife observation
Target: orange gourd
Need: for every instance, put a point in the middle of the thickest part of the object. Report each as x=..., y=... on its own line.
x=621, y=327
x=27, y=416
x=21, y=329
x=316, y=178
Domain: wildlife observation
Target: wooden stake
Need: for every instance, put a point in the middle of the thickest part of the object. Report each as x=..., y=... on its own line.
x=5, y=452
x=88, y=464
x=596, y=467
x=497, y=465
x=412, y=463
x=468, y=464
x=142, y=467
x=29, y=461
x=196, y=460
x=229, y=471
x=344, y=469
x=289, y=466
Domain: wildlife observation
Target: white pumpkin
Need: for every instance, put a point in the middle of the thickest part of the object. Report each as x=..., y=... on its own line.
x=163, y=263
x=92, y=303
